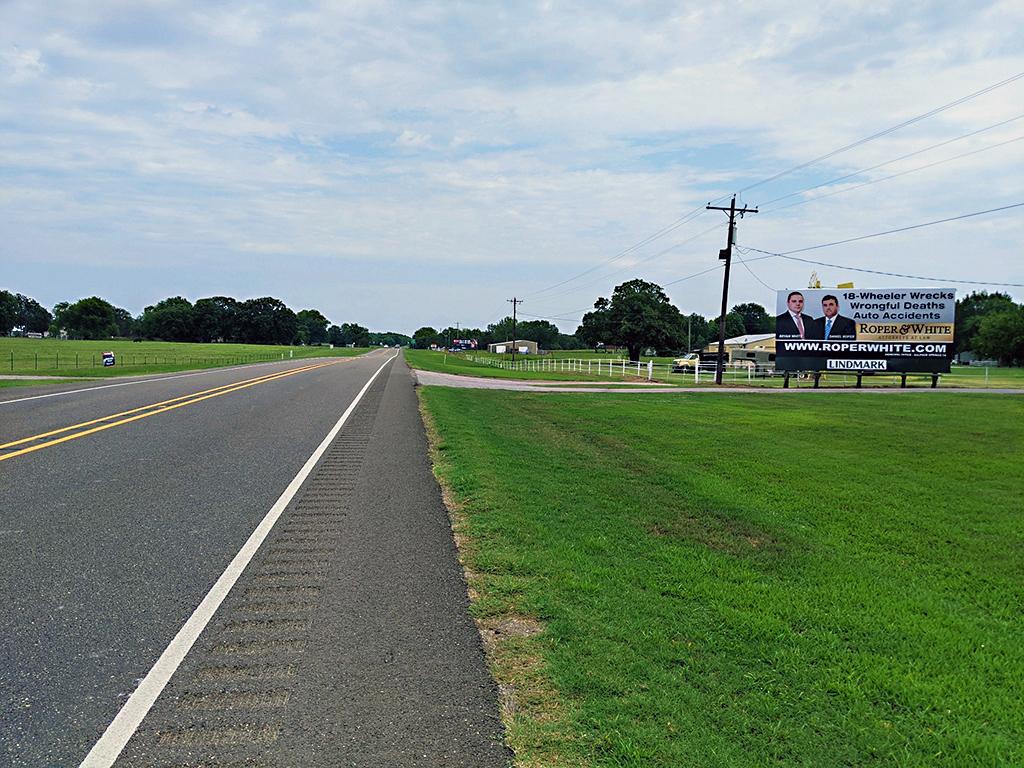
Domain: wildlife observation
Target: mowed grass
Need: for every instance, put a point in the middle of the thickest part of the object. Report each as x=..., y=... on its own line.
x=53, y=357
x=459, y=364
x=747, y=580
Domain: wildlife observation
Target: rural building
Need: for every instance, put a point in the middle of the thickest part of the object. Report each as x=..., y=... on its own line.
x=758, y=348
x=522, y=347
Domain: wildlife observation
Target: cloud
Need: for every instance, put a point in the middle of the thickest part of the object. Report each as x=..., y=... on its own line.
x=524, y=142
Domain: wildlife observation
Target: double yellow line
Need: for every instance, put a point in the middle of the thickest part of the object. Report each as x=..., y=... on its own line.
x=142, y=412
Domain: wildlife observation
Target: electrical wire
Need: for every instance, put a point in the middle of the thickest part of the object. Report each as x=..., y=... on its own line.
x=895, y=175
x=695, y=213
x=747, y=266
x=885, y=132
x=633, y=266
x=788, y=254
x=887, y=162
x=879, y=134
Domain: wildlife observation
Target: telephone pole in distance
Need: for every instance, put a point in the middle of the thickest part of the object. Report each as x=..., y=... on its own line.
x=514, y=302
x=726, y=255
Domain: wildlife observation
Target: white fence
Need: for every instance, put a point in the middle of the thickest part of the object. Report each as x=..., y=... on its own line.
x=622, y=368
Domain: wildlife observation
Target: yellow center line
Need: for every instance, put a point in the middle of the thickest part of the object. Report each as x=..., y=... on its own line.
x=265, y=377
x=151, y=410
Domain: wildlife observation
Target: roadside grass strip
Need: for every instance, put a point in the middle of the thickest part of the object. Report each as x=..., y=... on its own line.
x=820, y=581
x=48, y=439
x=78, y=358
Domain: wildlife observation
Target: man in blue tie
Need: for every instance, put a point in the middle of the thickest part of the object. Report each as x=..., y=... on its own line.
x=833, y=326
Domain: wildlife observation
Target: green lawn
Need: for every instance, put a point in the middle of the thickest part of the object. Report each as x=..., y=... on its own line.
x=53, y=357
x=595, y=367
x=444, y=362
x=746, y=580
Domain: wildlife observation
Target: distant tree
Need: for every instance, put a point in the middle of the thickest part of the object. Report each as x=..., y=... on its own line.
x=392, y=339
x=8, y=312
x=353, y=333
x=312, y=327
x=91, y=318
x=127, y=326
x=58, y=324
x=696, y=328
x=169, y=320
x=32, y=316
x=733, y=327
x=755, y=318
x=216, y=319
x=971, y=310
x=266, y=321
x=424, y=337
x=334, y=336
x=1001, y=336
x=569, y=341
x=638, y=315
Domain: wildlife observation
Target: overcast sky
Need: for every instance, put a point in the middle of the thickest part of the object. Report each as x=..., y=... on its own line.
x=408, y=164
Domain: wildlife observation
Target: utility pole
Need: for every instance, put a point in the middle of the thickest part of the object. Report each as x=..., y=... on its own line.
x=726, y=255
x=514, y=302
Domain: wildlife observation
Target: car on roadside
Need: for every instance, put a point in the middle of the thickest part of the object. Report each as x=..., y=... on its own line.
x=686, y=363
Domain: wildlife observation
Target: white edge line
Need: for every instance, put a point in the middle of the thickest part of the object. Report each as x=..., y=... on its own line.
x=126, y=722
x=148, y=381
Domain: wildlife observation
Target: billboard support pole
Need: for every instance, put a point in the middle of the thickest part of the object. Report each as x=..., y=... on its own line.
x=726, y=255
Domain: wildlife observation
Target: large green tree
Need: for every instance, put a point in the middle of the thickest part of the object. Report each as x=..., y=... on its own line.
x=8, y=312
x=312, y=327
x=424, y=337
x=971, y=310
x=638, y=315
x=1001, y=336
x=32, y=316
x=755, y=318
x=91, y=318
x=216, y=319
x=169, y=320
x=353, y=333
x=266, y=320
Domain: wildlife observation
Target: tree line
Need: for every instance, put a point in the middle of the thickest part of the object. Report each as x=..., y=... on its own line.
x=639, y=315
x=264, y=320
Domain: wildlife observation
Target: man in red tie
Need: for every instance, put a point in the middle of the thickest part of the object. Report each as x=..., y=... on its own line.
x=793, y=323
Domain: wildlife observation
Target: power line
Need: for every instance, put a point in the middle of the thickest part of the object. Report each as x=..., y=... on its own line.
x=896, y=175
x=885, y=132
x=892, y=231
x=788, y=254
x=626, y=251
x=633, y=266
x=907, y=156
x=698, y=211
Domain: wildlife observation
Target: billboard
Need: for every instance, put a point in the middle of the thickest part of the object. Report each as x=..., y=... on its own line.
x=865, y=329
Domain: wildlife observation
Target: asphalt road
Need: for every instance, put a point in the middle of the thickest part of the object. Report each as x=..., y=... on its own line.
x=110, y=540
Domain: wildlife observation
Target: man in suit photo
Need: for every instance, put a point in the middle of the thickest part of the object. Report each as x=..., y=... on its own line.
x=793, y=323
x=833, y=326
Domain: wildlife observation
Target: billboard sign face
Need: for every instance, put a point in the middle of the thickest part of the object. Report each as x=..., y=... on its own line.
x=865, y=329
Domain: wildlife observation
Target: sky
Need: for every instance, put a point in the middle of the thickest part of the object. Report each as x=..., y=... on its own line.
x=418, y=164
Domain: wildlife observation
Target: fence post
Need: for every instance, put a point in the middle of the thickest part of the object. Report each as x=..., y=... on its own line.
x=650, y=369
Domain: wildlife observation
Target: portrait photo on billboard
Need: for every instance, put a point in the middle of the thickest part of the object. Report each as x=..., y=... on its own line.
x=869, y=329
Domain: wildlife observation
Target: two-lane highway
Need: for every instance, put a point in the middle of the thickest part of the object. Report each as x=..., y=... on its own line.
x=121, y=507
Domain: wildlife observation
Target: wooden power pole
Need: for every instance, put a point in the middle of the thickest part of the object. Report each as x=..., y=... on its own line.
x=514, y=302
x=726, y=255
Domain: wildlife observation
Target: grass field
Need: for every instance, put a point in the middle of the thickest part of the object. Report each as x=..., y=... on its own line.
x=461, y=364
x=52, y=357
x=443, y=362
x=745, y=580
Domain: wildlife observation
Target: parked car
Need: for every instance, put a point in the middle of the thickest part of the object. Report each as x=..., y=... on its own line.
x=686, y=363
